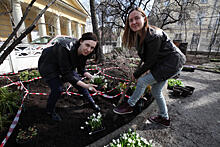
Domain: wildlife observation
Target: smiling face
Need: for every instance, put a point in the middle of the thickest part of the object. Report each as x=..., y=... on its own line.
x=86, y=47
x=136, y=21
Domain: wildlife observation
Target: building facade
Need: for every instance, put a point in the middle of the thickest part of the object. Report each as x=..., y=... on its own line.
x=64, y=17
x=200, y=29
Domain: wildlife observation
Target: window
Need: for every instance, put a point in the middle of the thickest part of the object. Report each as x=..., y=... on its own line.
x=199, y=18
x=178, y=36
x=203, y=1
x=51, y=30
x=195, y=39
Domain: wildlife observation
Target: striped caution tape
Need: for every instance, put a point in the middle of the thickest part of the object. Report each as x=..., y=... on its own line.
x=6, y=74
x=21, y=86
x=14, y=123
x=36, y=78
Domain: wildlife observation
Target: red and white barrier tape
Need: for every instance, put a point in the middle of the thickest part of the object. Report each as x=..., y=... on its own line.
x=19, y=83
x=14, y=123
x=6, y=74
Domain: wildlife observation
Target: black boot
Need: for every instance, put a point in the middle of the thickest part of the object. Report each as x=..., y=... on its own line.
x=54, y=116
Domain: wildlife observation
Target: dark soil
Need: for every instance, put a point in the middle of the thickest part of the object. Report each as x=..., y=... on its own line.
x=74, y=111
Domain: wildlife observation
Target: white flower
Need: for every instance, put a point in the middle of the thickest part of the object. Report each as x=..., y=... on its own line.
x=118, y=140
x=129, y=140
x=86, y=123
x=82, y=128
x=144, y=140
x=114, y=141
x=90, y=133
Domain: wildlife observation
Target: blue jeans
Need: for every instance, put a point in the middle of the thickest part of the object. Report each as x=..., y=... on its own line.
x=56, y=86
x=156, y=91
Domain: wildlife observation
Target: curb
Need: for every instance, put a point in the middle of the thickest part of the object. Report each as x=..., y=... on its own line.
x=206, y=70
x=133, y=125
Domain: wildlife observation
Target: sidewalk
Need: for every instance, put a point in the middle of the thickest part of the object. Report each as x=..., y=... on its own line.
x=195, y=120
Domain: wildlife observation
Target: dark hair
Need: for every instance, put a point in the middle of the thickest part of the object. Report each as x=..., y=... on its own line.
x=129, y=36
x=89, y=36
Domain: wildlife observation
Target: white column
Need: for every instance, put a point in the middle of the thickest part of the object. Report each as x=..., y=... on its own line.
x=42, y=26
x=78, y=30
x=12, y=62
x=57, y=26
x=17, y=14
x=69, y=28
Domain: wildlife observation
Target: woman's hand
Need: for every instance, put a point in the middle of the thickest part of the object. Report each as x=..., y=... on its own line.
x=91, y=87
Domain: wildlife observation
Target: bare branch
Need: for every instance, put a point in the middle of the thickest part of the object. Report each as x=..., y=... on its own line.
x=18, y=26
x=27, y=31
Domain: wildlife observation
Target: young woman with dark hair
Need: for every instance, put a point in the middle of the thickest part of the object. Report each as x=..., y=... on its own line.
x=58, y=64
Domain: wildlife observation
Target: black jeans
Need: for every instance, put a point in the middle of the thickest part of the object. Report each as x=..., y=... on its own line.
x=56, y=86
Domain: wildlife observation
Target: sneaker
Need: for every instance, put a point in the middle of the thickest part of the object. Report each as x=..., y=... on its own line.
x=160, y=120
x=54, y=116
x=123, y=109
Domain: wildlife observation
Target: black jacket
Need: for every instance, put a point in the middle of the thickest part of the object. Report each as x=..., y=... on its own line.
x=159, y=55
x=60, y=60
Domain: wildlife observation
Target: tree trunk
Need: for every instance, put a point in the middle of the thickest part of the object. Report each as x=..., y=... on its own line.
x=100, y=56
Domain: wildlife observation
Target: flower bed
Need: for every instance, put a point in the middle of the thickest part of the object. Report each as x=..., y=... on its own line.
x=74, y=110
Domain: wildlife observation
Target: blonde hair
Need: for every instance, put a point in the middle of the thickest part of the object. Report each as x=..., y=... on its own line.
x=129, y=36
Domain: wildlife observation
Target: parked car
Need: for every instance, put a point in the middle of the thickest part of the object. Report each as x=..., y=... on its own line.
x=45, y=41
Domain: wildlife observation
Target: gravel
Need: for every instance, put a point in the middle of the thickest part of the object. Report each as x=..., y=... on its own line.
x=195, y=120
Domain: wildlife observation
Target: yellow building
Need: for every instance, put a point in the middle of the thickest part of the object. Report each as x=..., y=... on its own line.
x=64, y=17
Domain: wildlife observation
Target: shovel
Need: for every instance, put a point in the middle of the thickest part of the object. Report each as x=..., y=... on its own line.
x=129, y=83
